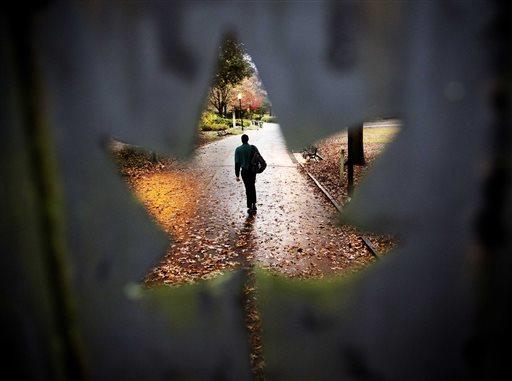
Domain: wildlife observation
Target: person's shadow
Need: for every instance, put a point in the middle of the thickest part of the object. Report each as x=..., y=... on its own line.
x=249, y=305
x=247, y=243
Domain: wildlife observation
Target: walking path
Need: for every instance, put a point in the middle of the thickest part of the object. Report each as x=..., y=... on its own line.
x=202, y=206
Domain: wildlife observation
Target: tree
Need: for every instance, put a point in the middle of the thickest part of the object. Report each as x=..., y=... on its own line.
x=253, y=94
x=232, y=67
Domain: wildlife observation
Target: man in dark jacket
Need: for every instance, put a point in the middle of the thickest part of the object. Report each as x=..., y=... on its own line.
x=243, y=158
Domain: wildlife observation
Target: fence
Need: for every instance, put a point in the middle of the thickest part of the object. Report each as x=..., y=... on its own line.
x=75, y=244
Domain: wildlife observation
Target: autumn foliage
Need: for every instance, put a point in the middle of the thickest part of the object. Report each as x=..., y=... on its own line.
x=236, y=74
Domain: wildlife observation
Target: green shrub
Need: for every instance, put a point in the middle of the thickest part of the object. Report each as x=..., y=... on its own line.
x=256, y=116
x=269, y=119
x=226, y=121
x=208, y=118
x=246, y=123
x=212, y=122
x=214, y=127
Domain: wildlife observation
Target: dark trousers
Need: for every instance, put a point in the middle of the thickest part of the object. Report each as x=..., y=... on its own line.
x=249, y=179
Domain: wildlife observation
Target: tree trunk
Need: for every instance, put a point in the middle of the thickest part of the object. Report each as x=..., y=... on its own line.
x=355, y=145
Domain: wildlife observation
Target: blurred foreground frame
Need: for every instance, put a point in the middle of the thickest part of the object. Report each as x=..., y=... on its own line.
x=75, y=243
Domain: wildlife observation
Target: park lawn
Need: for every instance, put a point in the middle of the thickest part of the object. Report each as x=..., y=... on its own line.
x=205, y=137
x=327, y=171
x=375, y=137
x=380, y=135
x=238, y=130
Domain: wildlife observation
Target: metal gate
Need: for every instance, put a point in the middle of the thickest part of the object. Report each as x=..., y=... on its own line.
x=75, y=244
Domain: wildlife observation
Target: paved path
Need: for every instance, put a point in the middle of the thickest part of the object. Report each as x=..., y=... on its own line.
x=294, y=231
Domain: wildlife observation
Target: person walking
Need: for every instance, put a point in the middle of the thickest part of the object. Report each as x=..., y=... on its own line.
x=250, y=162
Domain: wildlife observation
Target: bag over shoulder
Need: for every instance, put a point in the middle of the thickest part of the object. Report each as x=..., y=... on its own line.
x=258, y=164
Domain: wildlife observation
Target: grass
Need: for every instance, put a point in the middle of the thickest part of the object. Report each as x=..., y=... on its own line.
x=380, y=134
x=211, y=136
x=207, y=137
x=238, y=130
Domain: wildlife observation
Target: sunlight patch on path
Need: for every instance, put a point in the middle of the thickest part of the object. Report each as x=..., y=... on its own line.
x=169, y=197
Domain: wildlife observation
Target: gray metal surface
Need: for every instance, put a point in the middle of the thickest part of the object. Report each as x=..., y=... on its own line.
x=140, y=72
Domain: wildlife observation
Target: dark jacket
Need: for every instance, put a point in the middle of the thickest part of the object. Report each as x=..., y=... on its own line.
x=243, y=157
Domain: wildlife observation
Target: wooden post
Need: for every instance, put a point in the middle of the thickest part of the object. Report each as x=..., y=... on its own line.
x=342, y=165
x=350, y=178
x=234, y=119
x=355, y=145
x=355, y=154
